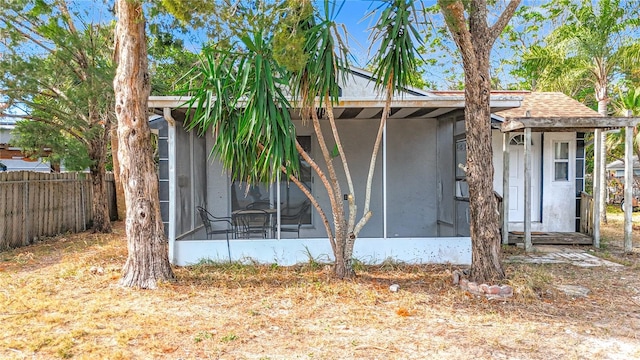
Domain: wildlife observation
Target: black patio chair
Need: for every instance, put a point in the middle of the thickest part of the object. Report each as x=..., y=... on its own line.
x=216, y=225
x=295, y=220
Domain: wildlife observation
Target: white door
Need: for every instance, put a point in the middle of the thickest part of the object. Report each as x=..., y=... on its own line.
x=516, y=178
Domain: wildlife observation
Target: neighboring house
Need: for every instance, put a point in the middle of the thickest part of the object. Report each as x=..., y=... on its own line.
x=13, y=158
x=419, y=201
x=617, y=167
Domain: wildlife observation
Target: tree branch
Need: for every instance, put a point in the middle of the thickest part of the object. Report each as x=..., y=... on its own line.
x=336, y=136
x=453, y=12
x=503, y=20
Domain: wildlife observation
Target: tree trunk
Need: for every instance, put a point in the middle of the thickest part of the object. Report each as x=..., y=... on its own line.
x=483, y=208
x=120, y=203
x=601, y=94
x=97, y=152
x=475, y=39
x=147, y=261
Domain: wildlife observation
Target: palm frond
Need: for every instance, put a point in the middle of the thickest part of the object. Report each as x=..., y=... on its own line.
x=396, y=59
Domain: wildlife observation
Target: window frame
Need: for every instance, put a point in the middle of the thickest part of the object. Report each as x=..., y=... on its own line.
x=565, y=161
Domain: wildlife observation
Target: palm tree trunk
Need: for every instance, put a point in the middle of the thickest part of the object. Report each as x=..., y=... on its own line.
x=601, y=176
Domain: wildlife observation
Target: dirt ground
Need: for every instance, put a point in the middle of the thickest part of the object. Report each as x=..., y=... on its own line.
x=61, y=299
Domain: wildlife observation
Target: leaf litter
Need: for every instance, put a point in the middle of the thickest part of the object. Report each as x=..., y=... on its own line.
x=55, y=304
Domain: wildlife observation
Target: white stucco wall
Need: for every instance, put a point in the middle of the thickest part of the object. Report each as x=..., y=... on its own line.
x=286, y=252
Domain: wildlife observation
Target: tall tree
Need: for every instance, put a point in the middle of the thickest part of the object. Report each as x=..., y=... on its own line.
x=59, y=73
x=147, y=260
x=625, y=104
x=467, y=22
x=305, y=52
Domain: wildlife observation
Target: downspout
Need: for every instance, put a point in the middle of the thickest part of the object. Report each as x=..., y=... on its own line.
x=166, y=113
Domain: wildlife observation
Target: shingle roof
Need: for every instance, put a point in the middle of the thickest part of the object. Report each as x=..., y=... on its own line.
x=549, y=104
x=539, y=104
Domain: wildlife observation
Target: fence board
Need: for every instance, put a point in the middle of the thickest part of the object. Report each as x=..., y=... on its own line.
x=586, y=214
x=36, y=205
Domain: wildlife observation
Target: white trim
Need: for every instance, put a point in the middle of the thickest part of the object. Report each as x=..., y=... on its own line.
x=171, y=144
x=287, y=252
x=384, y=181
x=555, y=161
x=454, y=102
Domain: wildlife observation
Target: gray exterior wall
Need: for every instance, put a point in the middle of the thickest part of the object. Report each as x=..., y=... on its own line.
x=412, y=167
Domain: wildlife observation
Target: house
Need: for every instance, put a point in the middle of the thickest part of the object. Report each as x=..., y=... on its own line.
x=616, y=167
x=12, y=158
x=419, y=200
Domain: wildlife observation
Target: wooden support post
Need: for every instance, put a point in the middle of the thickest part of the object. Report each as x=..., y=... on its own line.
x=505, y=187
x=527, y=190
x=628, y=189
x=597, y=145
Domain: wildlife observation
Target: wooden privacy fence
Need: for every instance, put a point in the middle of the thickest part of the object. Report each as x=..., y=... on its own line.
x=35, y=205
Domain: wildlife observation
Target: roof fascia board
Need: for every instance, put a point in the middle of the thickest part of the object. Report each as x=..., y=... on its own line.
x=407, y=101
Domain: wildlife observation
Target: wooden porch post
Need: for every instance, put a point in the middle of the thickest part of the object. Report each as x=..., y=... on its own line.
x=505, y=187
x=597, y=145
x=628, y=189
x=527, y=189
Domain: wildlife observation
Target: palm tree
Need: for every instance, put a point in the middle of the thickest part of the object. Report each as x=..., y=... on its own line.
x=259, y=143
x=591, y=47
x=626, y=104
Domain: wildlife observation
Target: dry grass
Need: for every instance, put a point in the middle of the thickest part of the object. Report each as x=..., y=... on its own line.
x=53, y=306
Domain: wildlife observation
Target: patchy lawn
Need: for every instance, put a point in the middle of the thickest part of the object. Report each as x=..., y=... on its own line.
x=61, y=299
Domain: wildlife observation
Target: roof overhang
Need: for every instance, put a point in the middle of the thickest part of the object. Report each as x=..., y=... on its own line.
x=568, y=124
x=366, y=108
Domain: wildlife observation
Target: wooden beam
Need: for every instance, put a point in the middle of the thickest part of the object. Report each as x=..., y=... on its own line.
x=597, y=146
x=438, y=112
x=568, y=123
x=628, y=189
x=505, y=188
x=403, y=113
x=368, y=113
x=527, y=189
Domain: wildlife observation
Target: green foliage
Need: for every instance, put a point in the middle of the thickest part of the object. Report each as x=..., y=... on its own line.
x=59, y=77
x=592, y=45
x=251, y=141
x=326, y=61
x=35, y=138
x=169, y=60
x=624, y=102
x=397, y=34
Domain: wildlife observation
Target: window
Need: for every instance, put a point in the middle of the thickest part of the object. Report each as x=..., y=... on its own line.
x=561, y=161
x=518, y=140
x=462, y=188
x=264, y=196
x=292, y=199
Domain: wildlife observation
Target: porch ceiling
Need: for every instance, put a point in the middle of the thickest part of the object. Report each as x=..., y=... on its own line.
x=414, y=107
